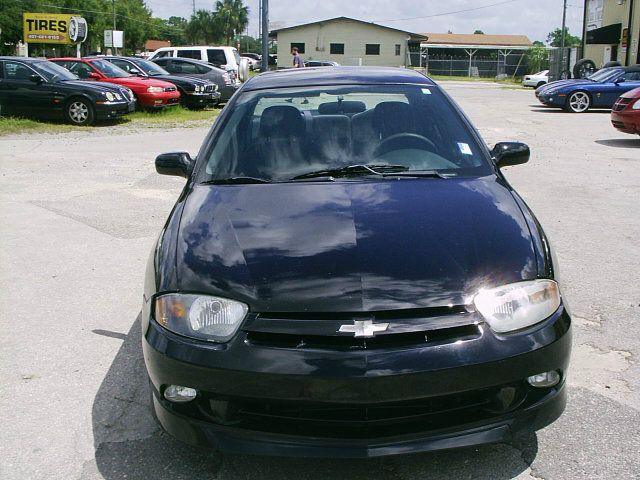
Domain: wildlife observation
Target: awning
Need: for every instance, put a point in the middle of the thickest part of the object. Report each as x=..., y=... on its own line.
x=609, y=35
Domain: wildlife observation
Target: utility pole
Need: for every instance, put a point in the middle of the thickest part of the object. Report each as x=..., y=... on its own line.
x=265, y=35
x=194, y=7
x=115, y=50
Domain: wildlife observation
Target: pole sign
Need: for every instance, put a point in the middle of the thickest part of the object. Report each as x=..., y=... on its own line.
x=57, y=28
x=114, y=38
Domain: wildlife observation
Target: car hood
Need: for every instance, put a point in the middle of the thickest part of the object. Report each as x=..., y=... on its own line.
x=559, y=84
x=139, y=82
x=352, y=246
x=94, y=86
x=635, y=93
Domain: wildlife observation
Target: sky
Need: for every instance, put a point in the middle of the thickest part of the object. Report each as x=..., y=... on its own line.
x=534, y=18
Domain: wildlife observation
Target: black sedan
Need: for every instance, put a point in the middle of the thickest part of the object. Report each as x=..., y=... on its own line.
x=195, y=93
x=187, y=67
x=37, y=88
x=351, y=286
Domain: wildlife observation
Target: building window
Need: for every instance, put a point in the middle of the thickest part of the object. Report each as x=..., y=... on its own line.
x=372, y=49
x=337, y=48
x=299, y=46
x=398, y=46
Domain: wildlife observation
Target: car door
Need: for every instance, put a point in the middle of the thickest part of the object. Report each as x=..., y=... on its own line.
x=610, y=91
x=20, y=94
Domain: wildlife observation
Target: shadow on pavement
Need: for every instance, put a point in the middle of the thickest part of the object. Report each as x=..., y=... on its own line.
x=621, y=142
x=129, y=444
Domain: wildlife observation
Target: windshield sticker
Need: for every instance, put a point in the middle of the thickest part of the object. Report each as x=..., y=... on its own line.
x=426, y=91
x=464, y=148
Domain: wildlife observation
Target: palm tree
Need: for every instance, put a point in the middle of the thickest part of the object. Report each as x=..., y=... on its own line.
x=202, y=28
x=231, y=16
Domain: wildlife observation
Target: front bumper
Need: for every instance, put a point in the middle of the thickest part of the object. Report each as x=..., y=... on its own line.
x=313, y=402
x=203, y=99
x=553, y=100
x=626, y=121
x=111, y=110
x=159, y=100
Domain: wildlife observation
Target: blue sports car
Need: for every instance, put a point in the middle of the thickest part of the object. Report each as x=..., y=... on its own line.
x=599, y=90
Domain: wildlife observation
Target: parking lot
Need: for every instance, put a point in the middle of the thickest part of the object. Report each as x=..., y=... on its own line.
x=80, y=212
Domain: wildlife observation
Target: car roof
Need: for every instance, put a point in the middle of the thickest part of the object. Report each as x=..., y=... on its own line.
x=295, y=77
x=24, y=59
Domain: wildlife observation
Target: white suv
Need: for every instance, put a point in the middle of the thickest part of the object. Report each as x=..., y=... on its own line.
x=227, y=58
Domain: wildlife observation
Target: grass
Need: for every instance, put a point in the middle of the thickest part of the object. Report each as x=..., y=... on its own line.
x=507, y=81
x=168, y=118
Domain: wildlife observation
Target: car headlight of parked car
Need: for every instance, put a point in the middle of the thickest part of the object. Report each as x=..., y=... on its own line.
x=518, y=305
x=636, y=106
x=110, y=96
x=213, y=319
x=155, y=89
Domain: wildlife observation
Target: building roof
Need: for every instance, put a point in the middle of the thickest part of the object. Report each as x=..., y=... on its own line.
x=319, y=76
x=414, y=36
x=156, y=44
x=461, y=40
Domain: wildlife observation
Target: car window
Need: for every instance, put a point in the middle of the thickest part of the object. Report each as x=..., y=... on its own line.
x=203, y=68
x=190, y=54
x=605, y=75
x=82, y=70
x=166, y=53
x=217, y=56
x=109, y=69
x=53, y=72
x=631, y=76
x=124, y=65
x=17, y=71
x=185, y=67
x=279, y=134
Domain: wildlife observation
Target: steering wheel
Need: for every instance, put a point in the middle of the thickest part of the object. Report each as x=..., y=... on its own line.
x=403, y=141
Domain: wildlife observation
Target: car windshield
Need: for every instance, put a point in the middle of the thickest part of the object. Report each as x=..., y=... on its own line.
x=150, y=68
x=605, y=74
x=280, y=134
x=52, y=72
x=109, y=69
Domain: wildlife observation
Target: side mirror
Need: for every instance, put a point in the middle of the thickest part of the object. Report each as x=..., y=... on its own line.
x=135, y=71
x=619, y=80
x=36, y=79
x=510, y=153
x=179, y=164
x=93, y=76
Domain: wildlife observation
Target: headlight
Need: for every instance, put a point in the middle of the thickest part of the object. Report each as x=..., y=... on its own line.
x=110, y=96
x=636, y=106
x=130, y=92
x=118, y=97
x=213, y=319
x=518, y=305
x=155, y=89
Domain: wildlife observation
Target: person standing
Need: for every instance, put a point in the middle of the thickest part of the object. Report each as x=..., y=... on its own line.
x=297, y=59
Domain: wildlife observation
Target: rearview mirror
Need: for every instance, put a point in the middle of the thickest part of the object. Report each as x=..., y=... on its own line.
x=179, y=164
x=36, y=79
x=510, y=153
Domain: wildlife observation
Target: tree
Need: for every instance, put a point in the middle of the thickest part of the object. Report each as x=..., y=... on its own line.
x=478, y=32
x=173, y=29
x=203, y=28
x=232, y=17
x=555, y=38
x=538, y=43
x=537, y=58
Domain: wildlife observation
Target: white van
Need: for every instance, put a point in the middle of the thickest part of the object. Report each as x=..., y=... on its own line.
x=227, y=58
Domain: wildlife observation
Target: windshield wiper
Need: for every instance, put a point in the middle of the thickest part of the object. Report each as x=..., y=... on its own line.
x=379, y=170
x=236, y=181
x=353, y=171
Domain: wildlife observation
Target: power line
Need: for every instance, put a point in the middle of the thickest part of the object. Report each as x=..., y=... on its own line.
x=442, y=14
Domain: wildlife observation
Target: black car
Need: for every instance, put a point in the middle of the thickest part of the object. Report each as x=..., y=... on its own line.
x=195, y=93
x=187, y=67
x=38, y=88
x=321, y=63
x=351, y=286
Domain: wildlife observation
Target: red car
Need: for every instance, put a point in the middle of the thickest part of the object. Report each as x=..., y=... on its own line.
x=625, y=115
x=149, y=92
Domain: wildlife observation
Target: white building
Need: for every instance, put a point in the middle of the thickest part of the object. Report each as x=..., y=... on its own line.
x=346, y=41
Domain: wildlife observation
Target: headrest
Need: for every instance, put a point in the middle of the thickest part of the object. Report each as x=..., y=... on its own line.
x=348, y=106
x=282, y=121
x=394, y=117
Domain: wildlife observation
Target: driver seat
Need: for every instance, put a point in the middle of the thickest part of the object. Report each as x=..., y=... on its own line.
x=391, y=118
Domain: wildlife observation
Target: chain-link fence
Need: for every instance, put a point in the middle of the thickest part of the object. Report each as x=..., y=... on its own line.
x=496, y=65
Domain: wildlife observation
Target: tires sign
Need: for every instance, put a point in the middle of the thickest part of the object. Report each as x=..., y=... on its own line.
x=57, y=28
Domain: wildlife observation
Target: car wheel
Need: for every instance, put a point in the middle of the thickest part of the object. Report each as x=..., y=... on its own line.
x=79, y=111
x=540, y=84
x=578, y=102
x=583, y=68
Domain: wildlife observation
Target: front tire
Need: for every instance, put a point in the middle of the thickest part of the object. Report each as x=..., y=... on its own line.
x=540, y=84
x=578, y=102
x=79, y=111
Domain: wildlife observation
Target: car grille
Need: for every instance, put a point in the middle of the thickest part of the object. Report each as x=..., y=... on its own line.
x=210, y=88
x=170, y=89
x=359, y=421
x=406, y=328
x=618, y=125
x=621, y=104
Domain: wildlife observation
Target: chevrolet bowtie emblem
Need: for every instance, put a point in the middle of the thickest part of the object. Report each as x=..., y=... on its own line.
x=364, y=328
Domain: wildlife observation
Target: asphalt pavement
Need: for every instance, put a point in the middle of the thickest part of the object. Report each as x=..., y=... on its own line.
x=80, y=211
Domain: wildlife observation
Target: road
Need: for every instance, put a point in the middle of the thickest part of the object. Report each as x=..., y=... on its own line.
x=79, y=213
